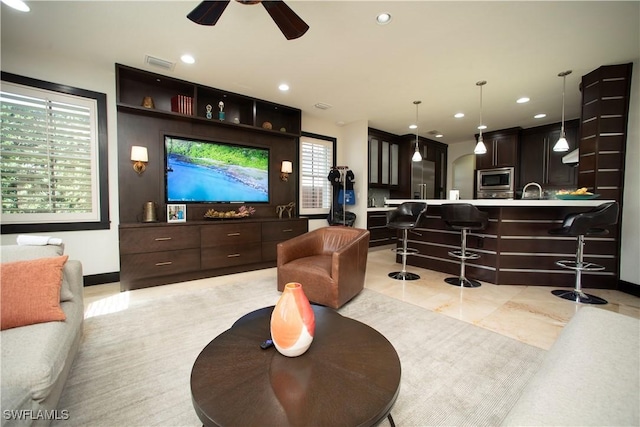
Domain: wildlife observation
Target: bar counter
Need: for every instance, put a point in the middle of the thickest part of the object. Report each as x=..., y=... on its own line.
x=515, y=248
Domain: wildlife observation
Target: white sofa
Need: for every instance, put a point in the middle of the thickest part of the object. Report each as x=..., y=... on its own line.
x=36, y=359
x=589, y=377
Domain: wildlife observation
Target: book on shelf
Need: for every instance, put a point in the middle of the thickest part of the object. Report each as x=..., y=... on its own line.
x=182, y=104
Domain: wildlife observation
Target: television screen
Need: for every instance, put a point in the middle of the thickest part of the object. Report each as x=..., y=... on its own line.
x=199, y=171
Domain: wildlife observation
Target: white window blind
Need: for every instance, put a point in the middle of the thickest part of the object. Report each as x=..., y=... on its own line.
x=316, y=159
x=49, y=156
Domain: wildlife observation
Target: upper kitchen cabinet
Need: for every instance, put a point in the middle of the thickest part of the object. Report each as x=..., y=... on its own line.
x=384, y=159
x=502, y=149
x=539, y=163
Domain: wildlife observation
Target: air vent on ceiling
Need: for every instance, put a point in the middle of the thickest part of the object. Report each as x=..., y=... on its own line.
x=157, y=62
x=322, y=106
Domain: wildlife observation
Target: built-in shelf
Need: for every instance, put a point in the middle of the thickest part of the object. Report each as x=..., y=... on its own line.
x=134, y=85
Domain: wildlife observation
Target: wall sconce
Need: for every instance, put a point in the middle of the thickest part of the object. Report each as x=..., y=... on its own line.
x=139, y=157
x=285, y=170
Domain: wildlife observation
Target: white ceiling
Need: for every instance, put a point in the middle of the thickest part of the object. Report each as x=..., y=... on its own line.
x=431, y=51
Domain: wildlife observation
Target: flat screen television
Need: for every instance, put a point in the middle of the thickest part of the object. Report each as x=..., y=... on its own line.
x=201, y=171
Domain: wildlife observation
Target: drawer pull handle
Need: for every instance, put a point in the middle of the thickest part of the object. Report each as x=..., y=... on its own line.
x=161, y=239
x=233, y=234
x=160, y=264
x=288, y=230
x=233, y=255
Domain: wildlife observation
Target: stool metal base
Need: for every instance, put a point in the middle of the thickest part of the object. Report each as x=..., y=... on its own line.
x=403, y=275
x=462, y=282
x=580, y=297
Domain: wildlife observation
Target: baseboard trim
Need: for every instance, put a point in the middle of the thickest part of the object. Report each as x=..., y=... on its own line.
x=101, y=279
x=629, y=288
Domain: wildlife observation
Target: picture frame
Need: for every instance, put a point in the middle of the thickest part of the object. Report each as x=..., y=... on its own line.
x=176, y=213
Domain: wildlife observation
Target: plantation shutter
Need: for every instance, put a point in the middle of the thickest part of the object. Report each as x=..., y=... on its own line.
x=316, y=159
x=49, y=156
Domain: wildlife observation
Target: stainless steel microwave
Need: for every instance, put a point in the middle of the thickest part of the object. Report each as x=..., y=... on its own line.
x=495, y=183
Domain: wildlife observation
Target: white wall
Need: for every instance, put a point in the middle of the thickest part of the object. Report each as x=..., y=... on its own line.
x=458, y=168
x=97, y=250
x=630, y=244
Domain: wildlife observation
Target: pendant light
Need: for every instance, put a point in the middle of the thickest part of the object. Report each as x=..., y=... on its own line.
x=417, y=157
x=562, y=144
x=480, y=147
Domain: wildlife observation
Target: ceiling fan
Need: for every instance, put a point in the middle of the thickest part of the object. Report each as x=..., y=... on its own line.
x=208, y=13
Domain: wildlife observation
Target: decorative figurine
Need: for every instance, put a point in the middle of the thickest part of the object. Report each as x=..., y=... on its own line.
x=209, y=109
x=147, y=102
x=267, y=125
x=221, y=113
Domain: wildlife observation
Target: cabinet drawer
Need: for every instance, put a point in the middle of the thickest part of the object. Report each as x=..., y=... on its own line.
x=139, y=240
x=377, y=220
x=136, y=266
x=279, y=231
x=228, y=255
x=225, y=234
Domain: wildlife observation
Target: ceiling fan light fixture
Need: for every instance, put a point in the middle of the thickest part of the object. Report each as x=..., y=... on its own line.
x=562, y=144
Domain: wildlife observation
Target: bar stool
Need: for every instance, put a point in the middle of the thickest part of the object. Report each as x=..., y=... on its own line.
x=589, y=223
x=463, y=217
x=405, y=217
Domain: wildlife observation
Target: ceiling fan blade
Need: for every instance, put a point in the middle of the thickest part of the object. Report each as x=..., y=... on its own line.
x=286, y=19
x=208, y=12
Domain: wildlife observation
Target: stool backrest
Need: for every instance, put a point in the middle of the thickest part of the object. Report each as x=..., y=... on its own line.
x=585, y=222
x=463, y=215
x=407, y=212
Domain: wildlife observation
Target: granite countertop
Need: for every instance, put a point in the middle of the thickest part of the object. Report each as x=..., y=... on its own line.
x=506, y=202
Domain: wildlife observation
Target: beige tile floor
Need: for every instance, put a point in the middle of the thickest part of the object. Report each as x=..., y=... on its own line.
x=530, y=314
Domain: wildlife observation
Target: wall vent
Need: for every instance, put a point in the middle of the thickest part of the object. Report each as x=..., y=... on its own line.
x=160, y=63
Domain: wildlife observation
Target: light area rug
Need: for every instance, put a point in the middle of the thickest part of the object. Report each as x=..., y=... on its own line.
x=134, y=366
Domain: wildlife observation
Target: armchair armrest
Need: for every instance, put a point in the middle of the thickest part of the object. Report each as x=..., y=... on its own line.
x=351, y=257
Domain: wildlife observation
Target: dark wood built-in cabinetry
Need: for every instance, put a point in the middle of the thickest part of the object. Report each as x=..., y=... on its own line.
x=161, y=253
x=158, y=253
x=539, y=163
x=502, y=149
x=141, y=126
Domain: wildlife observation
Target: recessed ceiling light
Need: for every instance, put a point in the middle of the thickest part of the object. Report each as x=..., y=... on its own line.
x=17, y=5
x=540, y=116
x=283, y=87
x=482, y=127
x=439, y=135
x=188, y=59
x=413, y=126
x=458, y=115
x=383, y=18
x=522, y=100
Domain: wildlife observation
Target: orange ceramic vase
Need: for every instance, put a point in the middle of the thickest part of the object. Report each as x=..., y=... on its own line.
x=292, y=322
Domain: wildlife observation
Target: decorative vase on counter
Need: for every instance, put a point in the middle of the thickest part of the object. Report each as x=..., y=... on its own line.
x=292, y=322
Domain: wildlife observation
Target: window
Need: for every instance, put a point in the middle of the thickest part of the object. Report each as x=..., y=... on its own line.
x=316, y=159
x=53, y=146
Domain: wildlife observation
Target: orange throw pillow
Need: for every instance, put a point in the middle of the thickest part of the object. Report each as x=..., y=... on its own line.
x=30, y=291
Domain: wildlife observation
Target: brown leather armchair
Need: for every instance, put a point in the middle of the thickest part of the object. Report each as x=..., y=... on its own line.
x=329, y=262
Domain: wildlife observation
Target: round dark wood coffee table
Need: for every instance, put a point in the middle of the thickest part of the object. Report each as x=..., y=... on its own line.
x=350, y=376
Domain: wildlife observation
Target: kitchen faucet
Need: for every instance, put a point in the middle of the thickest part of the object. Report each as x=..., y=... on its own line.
x=524, y=190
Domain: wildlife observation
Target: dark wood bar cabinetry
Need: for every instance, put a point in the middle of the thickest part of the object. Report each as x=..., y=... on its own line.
x=516, y=248
x=380, y=234
x=159, y=253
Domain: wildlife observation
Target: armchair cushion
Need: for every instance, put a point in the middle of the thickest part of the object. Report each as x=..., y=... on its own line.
x=330, y=263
